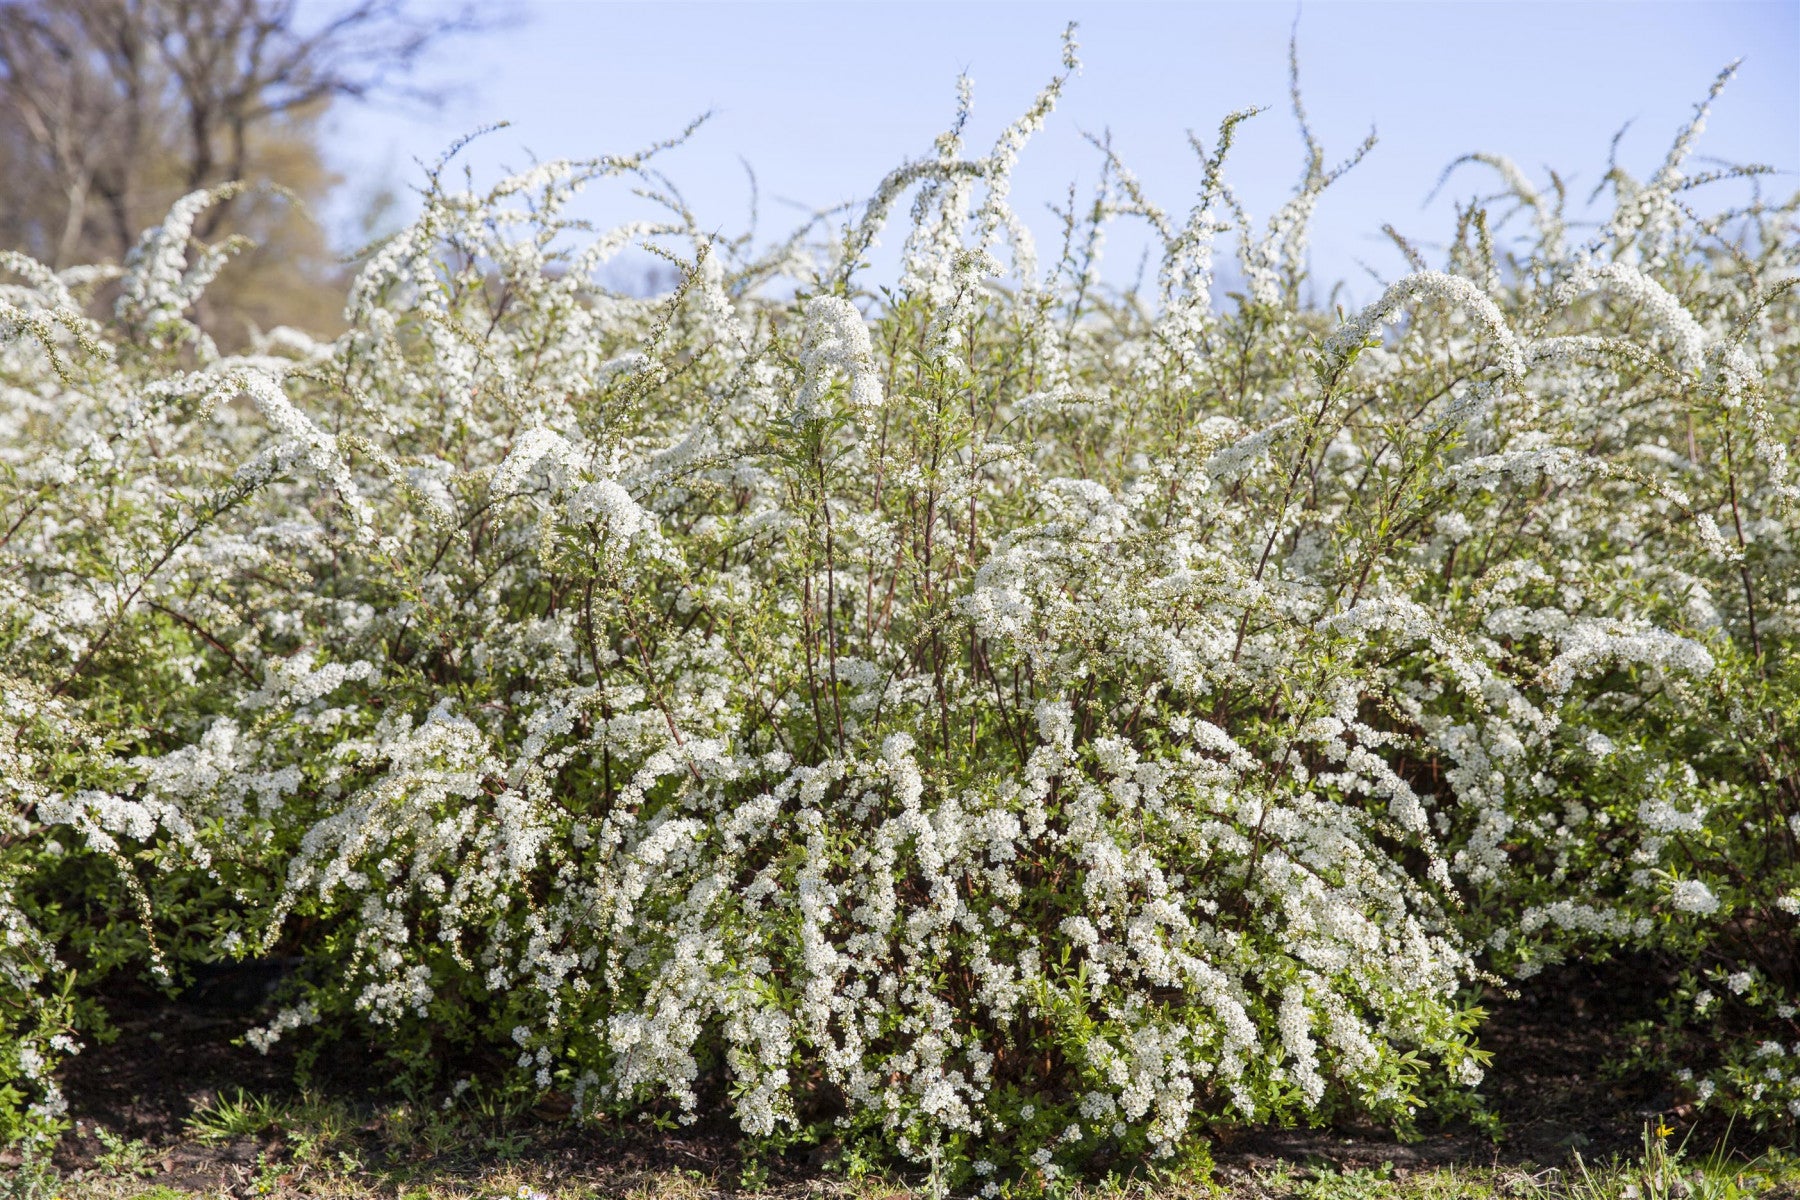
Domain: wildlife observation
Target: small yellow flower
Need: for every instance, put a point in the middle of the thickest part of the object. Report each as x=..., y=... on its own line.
x=1662, y=1130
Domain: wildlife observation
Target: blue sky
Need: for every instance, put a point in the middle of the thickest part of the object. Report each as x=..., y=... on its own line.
x=822, y=98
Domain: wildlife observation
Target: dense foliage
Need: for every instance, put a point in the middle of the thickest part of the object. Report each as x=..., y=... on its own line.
x=1015, y=721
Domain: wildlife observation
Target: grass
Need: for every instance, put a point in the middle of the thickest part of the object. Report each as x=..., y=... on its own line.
x=247, y=1145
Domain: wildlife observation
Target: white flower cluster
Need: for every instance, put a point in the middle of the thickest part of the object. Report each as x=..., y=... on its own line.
x=837, y=339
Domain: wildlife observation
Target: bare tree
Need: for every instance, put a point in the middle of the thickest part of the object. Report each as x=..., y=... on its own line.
x=109, y=109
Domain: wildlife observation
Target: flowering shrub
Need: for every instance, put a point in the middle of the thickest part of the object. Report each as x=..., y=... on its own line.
x=1014, y=721
x=1664, y=811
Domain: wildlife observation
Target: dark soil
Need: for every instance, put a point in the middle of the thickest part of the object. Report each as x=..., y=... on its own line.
x=1556, y=1041
x=170, y=1058
x=1550, y=1085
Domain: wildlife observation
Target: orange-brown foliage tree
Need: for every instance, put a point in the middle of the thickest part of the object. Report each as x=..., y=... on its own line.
x=114, y=108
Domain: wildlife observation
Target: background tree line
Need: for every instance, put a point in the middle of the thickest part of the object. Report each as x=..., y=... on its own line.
x=114, y=108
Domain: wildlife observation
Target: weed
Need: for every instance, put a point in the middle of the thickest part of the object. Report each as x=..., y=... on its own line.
x=241, y=1116
x=122, y=1157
